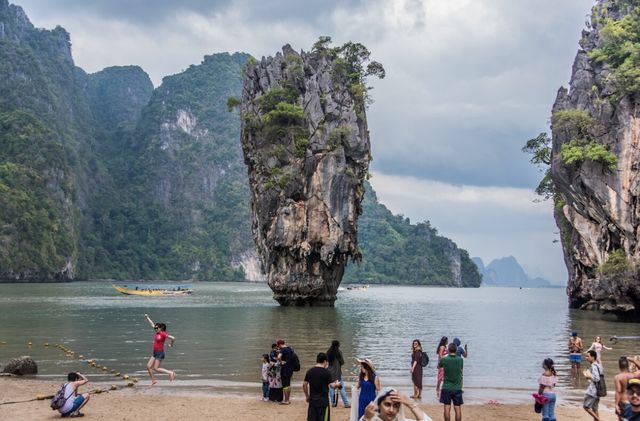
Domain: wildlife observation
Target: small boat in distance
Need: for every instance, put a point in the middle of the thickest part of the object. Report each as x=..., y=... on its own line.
x=358, y=287
x=153, y=292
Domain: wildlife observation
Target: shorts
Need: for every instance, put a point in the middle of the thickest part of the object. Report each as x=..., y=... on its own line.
x=591, y=402
x=286, y=380
x=158, y=355
x=447, y=396
x=77, y=402
x=575, y=358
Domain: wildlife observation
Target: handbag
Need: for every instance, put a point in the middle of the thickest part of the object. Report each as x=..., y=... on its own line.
x=601, y=385
x=537, y=407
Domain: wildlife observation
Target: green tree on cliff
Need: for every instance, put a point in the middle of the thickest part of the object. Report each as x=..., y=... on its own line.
x=540, y=149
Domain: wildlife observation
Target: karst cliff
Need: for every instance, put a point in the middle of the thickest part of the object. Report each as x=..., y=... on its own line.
x=306, y=146
x=595, y=162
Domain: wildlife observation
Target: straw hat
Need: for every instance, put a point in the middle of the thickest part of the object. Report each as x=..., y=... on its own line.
x=366, y=361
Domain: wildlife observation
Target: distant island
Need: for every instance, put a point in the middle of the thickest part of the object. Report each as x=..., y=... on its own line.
x=507, y=272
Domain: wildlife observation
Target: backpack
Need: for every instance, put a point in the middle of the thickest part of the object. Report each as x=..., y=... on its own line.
x=425, y=359
x=295, y=361
x=601, y=385
x=59, y=399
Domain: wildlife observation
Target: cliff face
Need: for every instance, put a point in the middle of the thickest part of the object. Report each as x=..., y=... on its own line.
x=41, y=118
x=306, y=145
x=597, y=195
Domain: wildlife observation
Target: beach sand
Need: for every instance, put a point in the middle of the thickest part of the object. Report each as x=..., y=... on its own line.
x=142, y=403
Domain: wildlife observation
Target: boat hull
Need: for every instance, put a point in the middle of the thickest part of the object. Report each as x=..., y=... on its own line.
x=152, y=292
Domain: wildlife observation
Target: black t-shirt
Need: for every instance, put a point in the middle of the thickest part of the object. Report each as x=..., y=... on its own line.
x=286, y=355
x=318, y=379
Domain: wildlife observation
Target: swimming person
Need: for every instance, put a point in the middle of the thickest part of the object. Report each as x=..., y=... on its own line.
x=575, y=352
x=598, y=346
x=159, y=338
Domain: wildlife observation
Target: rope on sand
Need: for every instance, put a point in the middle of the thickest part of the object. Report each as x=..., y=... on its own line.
x=92, y=363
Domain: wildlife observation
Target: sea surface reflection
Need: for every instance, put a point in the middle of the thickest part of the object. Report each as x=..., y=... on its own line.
x=224, y=328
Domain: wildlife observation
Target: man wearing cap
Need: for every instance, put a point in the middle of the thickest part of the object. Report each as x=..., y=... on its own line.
x=575, y=352
x=285, y=355
x=631, y=410
x=621, y=380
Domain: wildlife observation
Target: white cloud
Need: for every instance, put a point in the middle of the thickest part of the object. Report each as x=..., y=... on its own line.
x=489, y=222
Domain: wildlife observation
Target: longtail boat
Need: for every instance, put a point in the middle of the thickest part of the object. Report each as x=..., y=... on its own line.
x=153, y=292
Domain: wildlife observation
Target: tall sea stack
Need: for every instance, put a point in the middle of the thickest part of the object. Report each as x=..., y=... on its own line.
x=595, y=163
x=306, y=145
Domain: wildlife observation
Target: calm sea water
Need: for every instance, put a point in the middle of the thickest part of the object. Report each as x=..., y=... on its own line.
x=223, y=329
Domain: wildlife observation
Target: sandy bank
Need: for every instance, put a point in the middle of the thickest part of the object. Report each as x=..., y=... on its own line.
x=143, y=403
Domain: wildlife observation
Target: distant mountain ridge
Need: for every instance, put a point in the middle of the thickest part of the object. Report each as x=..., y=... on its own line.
x=507, y=272
x=104, y=177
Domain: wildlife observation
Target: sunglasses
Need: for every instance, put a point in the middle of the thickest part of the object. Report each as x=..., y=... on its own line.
x=633, y=392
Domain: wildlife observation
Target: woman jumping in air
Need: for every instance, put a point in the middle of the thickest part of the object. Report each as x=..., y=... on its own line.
x=158, y=350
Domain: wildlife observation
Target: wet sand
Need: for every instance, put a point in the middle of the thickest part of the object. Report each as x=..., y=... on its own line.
x=142, y=403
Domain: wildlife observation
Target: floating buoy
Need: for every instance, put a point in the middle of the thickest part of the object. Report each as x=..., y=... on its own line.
x=46, y=344
x=98, y=390
x=104, y=368
x=113, y=371
x=134, y=380
x=81, y=357
x=3, y=342
x=129, y=384
x=125, y=377
x=117, y=374
x=30, y=343
x=113, y=387
x=40, y=397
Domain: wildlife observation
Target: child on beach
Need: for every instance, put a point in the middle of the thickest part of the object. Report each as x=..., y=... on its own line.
x=159, y=338
x=275, y=383
x=265, y=377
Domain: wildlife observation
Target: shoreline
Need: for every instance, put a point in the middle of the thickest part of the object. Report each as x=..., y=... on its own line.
x=164, y=402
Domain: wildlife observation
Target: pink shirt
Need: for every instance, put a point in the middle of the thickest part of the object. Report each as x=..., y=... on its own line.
x=158, y=341
x=549, y=382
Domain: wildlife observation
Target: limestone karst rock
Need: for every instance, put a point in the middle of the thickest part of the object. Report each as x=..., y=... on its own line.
x=306, y=144
x=595, y=161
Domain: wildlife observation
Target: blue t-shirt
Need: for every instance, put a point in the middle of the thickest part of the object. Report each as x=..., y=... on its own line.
x=628, y=414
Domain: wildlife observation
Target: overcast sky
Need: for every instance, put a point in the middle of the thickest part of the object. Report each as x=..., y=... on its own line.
x=468, y=82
